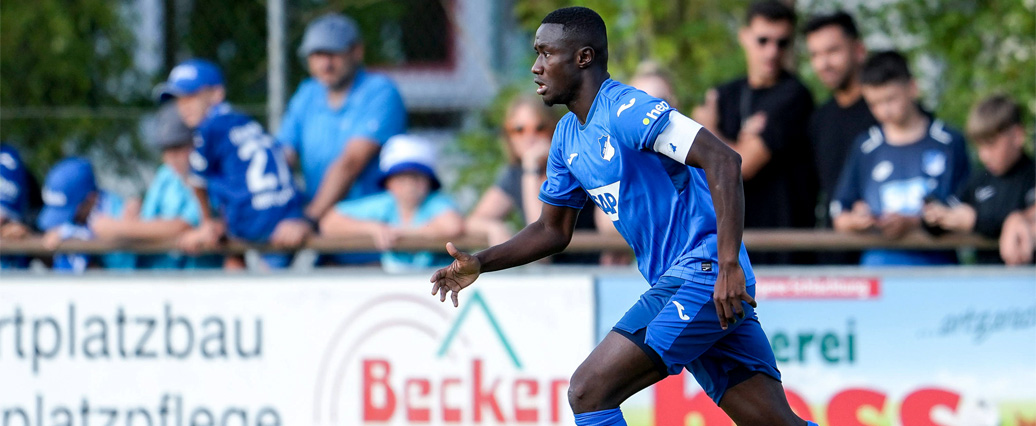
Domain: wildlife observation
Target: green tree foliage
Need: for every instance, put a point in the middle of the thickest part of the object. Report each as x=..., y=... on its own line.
x=69, y=54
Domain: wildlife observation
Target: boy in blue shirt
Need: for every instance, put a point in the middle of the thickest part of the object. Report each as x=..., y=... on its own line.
x=895, y=166
x=169, y=208
x=71, y=200
x=673, y=190
x=236, y=162
x=411, y=205
x=14, y=203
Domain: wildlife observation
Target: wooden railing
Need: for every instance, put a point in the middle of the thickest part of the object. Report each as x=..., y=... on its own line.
x=755, y=240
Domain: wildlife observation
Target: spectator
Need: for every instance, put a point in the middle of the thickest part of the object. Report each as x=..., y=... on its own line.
x=764, y=117
x=169, y=207
x=14, y=203
x=528, y=127
x=337, y=121
x=411, y=206
x=236, y=162
x=836, y=54
x=71, y=201
x=655, y=81
x=895, y=166
x=1006, y=184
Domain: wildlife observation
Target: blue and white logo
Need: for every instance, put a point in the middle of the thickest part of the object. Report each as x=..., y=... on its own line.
x=933, y=162
x=607, y=198
x=607, y=150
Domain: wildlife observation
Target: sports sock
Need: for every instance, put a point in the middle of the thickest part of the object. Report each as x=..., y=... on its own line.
x=611, y=417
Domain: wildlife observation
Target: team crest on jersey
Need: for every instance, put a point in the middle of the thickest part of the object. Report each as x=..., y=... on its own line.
x=607, y=150
x=933, y=162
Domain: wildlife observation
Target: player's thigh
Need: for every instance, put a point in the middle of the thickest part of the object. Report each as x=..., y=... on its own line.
x=760, y=400
x=616, y=369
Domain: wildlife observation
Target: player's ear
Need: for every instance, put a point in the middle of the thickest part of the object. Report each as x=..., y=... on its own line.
x=585, y=57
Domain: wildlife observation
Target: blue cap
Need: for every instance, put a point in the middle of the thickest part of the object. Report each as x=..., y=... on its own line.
x=408, y=153
x=13, y=200
x=188, y=78
x=68, y=183
x=332, y=32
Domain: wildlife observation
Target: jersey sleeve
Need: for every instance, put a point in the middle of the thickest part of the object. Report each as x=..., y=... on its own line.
x=386, y=115
x=848, y=190
x=561, y=188
x=204, y=159
x=637, y=119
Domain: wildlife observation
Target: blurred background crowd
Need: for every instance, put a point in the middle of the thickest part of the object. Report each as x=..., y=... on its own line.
x=271, y=124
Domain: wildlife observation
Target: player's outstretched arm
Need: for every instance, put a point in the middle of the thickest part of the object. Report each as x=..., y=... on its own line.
x=544, y=237
x=723, y=171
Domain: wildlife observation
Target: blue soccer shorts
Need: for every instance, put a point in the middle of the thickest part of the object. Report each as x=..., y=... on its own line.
x=677, y=320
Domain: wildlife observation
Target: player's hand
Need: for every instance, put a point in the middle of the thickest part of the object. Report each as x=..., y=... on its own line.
x=204, y=237
x=728, y=294
x=859, y=219
x=52, y=239
x=461, y=273
x=535, y=157
x=895, y=225
x=755, y=124
x=385, y=236
x=105, y=227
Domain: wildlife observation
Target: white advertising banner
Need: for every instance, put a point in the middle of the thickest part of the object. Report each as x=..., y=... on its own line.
x=289, y=350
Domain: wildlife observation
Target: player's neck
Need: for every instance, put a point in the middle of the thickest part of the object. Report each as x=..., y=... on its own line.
x=910, y=130
x=336, y=94
x=847, y=96
x=584, y=100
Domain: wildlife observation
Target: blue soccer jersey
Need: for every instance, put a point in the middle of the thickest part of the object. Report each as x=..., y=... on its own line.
x=663, y=208
x=246, y=172
x=898, y=178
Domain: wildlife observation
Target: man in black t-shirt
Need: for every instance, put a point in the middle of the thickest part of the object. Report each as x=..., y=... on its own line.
x=1005, y=185
x=836, y=54
x=763, y=116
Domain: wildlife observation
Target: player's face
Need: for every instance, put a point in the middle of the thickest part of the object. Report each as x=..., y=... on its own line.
x=999, y=152
x=193, y=107
x=555, y=68
x=526, y=129
x=409, y=188
x=834, y=56
x=178, y=158
x=766, y=44
x=891, y=103
x=335, y=69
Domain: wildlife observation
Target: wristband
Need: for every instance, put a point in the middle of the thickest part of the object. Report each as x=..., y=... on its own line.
x=313, y=223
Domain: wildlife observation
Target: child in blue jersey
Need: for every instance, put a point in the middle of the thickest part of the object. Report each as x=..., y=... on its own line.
x=14, y=203
x=71, y=200
x=169, y=208
x=236, y=162
x=895, y=166
x=411, y=206
x=673, y=190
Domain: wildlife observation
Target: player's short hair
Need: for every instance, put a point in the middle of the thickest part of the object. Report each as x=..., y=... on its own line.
x=839, y=18
x=885, y=67
x=771, y=10
x=991, y=116
x=584, y=26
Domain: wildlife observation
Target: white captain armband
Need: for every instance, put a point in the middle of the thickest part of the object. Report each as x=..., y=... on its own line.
x=676, y=140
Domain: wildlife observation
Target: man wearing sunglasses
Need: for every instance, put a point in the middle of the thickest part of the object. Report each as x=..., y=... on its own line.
x=764, y=116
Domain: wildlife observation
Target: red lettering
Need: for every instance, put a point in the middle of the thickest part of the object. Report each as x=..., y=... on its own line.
x=558, y=388
x=672, y=407
x=844, y=408
x=917, y=407
x=424, y=389
x=375, y=379
x=449, y=414
x=525, y=413
x=481, y=397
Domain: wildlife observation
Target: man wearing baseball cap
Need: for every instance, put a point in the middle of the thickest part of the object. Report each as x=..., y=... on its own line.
x=236, y=162
x=411, y=205
x=70, y=200
x=338, y=120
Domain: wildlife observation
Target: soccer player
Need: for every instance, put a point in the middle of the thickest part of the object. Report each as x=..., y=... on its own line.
x=674, y=192
x=239, y=163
